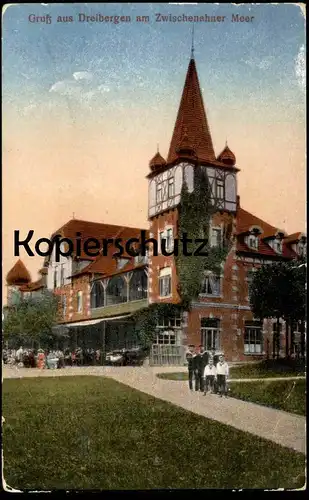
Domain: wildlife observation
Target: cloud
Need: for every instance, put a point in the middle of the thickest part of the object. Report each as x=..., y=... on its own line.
x=264, y=63
x=300, y=67
x=82, y=75
x=103, y=88
x=67, y=88
x=28, y=109
x=81, y=87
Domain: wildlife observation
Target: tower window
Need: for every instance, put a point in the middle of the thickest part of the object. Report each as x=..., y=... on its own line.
x=220, y=189
x=159, y=193
x=171, y=187
x=169, y=239
x=165, y=282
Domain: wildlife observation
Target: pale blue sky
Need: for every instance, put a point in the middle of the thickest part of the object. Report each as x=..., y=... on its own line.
x=136, y=61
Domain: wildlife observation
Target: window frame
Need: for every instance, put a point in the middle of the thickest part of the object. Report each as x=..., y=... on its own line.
x=302, y=248
x=254, y=238
x=220, y=189
x=79, y=302
x=278, y=246
x=162, y=283
x=210, y=277
x=171, y=183
x=159, y=189
x=250, y=330
x=55, y=277
x=168, y=327
x=212, y=329
x=62, y=275
x=218, y=230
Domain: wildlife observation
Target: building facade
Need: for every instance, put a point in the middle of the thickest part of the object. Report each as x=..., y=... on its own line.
x=221, y=317
x=99, y=294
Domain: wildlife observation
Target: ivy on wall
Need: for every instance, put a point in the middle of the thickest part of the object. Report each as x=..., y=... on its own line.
x=147, y=319
x=195, y=213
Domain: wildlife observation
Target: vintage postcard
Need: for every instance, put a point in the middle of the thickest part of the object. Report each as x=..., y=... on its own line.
x=154, y=246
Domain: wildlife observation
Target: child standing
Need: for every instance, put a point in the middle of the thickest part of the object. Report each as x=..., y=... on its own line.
x=209, y=377
x=222, y=376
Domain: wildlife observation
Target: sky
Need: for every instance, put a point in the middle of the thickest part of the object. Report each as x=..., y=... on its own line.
x=86, y=103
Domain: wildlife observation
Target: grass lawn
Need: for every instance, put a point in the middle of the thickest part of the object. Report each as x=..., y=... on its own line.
x=265, y=369
x=94, y=433
x=268, y=369
x=288, y=396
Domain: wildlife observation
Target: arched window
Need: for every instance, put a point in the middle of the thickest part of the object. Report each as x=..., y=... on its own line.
x=230, y=188
x=138, y=285
x=116, y=291
x=97, y=295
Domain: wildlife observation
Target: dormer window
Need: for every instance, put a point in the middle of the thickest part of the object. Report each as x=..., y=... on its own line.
x=302, y=248
x=121, y=263
x=253, y=242
x=278, y=245
x=141, y=259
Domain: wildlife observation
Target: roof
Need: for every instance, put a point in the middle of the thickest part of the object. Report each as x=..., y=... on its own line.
x=107, y=264
x=293, y=238
x=95, y=230
x=32, y=287
x=192, y=116
x=227, y=156
x=157, y=161
x=245, y=221
x=18, y=275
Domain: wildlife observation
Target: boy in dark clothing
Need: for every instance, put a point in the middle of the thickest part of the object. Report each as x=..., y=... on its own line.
x=198, y=370
x=189, y=358
x=205, y=356
x=202, y=362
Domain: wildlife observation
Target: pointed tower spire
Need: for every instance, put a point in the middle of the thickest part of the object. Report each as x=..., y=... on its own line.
x=192, y=44
x=192, y=116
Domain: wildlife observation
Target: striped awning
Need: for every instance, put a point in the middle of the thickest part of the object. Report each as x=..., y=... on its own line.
x=96, y=321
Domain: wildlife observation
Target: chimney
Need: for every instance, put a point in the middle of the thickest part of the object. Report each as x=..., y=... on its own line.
x=237, y=202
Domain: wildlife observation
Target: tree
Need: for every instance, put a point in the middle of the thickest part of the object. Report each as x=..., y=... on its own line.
x=32, y=319
x=279, y=291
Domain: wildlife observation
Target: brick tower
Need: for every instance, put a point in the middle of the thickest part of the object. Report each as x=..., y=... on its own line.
x=191, y=145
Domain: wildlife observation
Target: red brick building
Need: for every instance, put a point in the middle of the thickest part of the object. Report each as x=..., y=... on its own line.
x=100, y=293
x=221, y=317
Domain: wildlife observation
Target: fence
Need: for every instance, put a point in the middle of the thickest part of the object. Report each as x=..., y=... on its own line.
x=172, y=355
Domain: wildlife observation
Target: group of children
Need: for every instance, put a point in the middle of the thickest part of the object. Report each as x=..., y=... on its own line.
x=209, y=371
